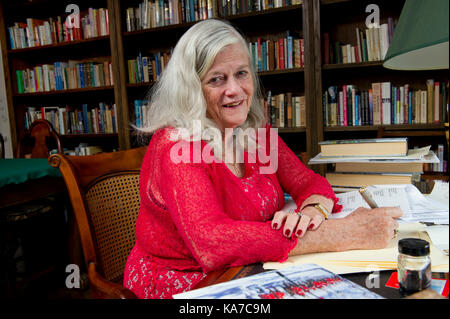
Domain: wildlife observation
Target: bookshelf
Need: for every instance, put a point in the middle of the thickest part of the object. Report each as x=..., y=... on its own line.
x=337, y=22
x=141, y=40
x=57, y=70
x=308, y=20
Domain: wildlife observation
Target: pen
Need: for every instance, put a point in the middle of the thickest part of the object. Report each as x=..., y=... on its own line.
x=432, y=224
x=368, y=197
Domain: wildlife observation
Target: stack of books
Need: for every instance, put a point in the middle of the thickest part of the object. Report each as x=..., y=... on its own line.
x=364, y=162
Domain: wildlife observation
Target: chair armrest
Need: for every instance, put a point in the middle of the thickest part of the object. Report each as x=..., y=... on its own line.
x=105, y=289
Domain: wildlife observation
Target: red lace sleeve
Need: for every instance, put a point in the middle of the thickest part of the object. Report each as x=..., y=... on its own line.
x=214, y=239
x=298, y=180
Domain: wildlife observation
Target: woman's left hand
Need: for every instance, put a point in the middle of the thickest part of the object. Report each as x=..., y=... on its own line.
x=296, y=224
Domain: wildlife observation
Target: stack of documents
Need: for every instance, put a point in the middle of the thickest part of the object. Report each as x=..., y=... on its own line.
x=360, y=171
x=415, y=206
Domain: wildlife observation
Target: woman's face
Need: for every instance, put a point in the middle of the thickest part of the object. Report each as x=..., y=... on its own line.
x=228, y=87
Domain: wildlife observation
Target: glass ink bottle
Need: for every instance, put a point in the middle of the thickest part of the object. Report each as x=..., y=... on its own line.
x=414, y=265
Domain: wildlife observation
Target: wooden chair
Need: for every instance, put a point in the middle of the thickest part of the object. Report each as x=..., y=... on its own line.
x=38, y=139
x=104, y=192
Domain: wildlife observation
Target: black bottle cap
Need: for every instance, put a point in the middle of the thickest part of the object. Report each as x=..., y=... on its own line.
x=414, y=247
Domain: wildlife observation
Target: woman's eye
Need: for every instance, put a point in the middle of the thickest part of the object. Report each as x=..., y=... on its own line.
x=242, y=74
x=215, y=80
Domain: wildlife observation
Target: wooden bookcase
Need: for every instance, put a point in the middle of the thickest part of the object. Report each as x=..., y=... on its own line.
x=340, y=19
x=253, y=25
x=96, y=49
x=309, y=20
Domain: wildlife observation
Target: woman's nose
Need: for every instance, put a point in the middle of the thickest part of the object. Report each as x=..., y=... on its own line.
x=233, y=86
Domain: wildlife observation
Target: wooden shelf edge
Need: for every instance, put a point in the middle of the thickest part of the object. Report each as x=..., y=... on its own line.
x=57, y=45
x=283, y=71
x=397, y=127
x=229, y=17
x=340, y=66
x=262, y=12
x=90, y=135
x=70, y=91
x=291, y=129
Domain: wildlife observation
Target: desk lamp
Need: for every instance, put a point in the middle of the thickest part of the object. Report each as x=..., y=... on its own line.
x=420, y=40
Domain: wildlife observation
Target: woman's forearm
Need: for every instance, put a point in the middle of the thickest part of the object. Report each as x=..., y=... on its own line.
x=332, y=235
x=363, y=229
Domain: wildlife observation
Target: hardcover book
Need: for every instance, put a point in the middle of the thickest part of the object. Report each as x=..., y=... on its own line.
x=365, y=147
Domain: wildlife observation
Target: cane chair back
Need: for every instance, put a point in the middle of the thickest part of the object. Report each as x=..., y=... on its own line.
x=104, y=192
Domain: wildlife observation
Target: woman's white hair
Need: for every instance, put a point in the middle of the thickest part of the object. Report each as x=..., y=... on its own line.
x=177, y=98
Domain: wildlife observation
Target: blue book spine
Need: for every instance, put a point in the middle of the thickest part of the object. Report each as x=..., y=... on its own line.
x=157, y=61
x=410, y=107
x=264, y=55
x=81, y=74
x=85, y=118
x=101, y=115
x=11, y=37
x=357, y=110
x=137, y=112
x=290, y=43
x=191, y=10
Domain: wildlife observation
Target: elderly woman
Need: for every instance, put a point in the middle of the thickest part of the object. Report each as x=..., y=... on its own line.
x=203, y=208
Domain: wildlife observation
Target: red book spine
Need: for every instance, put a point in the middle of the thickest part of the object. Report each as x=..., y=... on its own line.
x=281, y=53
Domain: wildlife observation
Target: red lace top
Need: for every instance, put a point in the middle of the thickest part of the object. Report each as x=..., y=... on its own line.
x=198, y=217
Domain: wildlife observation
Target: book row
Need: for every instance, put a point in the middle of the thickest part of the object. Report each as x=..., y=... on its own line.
x=231, y=7
x=64, y=76
x=285, y=110
x=101, y=119
x=385, y=104
x=140, y=112
x=371, y=44
x=277, y=54
x=158, y=13
x=37, y=32
x=145, y=69
x=267, y=55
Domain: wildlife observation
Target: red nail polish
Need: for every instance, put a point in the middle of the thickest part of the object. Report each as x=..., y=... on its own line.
x=287, y=233
x=299, y=233
x=275, y=226
x=311, y=226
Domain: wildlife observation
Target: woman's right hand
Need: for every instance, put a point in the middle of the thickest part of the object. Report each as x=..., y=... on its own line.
x=373, y=228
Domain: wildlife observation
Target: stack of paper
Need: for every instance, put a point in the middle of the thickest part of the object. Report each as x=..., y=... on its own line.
x=360, y=171
x=415, y=206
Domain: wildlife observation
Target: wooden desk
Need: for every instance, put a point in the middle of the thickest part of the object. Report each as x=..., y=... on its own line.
x=232, y=273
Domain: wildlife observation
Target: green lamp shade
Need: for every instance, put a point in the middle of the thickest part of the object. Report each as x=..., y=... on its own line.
x=420, y=40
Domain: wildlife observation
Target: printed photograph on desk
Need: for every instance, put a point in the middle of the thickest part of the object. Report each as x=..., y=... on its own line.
x=307, y=281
